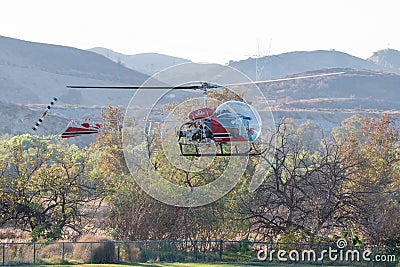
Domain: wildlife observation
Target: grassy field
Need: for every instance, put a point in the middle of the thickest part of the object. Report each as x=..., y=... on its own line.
x=166, y=264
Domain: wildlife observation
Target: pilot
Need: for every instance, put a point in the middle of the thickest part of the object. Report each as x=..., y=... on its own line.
x=201, y=131
x=196, y=131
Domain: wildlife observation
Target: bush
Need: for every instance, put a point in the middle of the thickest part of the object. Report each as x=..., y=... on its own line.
x=240, y=247
x=132, y=252
x=103, y=249
x=9, y=234
x=52, y=253
x=19, y=254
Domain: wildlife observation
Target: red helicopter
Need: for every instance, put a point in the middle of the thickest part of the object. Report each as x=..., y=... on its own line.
x=231, y=122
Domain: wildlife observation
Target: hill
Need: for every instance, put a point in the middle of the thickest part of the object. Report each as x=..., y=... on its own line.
x=32, y=73
x=388, y=58
x=276, y=66
x=18, y=119
x=148, y=63
x=353, y=84
x=328, y=100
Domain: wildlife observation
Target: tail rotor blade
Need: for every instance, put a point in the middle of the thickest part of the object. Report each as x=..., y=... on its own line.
x=44, y=114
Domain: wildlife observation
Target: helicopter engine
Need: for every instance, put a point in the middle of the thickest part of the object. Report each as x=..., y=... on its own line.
x=198, y=131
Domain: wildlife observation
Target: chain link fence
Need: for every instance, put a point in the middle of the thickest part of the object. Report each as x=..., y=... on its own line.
x=195, y=251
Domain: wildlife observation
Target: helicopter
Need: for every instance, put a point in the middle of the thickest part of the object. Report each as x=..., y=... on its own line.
x=231, y=123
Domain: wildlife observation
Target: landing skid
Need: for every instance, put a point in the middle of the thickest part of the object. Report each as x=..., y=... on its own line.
x=220, y=151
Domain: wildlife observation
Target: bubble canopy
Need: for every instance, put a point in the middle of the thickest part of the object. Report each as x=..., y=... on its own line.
x=241, y=114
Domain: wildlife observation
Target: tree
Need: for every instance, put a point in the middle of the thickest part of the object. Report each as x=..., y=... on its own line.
x=303, y=190
x=136, y=215
x=376, y=180
x=309, y=134
x=45, y=187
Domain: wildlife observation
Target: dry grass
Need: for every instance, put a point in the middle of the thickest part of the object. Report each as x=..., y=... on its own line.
x=9, y=235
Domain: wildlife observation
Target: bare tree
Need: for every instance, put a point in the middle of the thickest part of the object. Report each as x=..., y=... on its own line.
x=302, y=190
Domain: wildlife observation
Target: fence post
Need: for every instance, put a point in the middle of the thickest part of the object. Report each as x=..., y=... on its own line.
x=4, y=254
x=374, y=252
x=145, y=250
x=91, y=252
x=195, y=250
x=62, y=252
x=220, y=249
x=118, y=252
x=34, y=253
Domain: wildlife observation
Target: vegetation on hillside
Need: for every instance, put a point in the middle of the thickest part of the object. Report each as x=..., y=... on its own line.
x=319, y=186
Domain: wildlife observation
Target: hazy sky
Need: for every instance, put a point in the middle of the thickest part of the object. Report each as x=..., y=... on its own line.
x=207, y=30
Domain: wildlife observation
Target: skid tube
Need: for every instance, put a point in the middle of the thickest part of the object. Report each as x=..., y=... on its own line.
x=221, y=153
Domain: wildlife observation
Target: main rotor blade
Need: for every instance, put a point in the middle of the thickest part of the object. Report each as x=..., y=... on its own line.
x=132, y=87
x=288, y=79
x=204, y=86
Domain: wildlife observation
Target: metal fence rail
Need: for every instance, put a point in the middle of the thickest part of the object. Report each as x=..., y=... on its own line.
x=194, y=251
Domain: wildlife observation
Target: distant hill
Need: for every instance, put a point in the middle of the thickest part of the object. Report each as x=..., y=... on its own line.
x=328, y=100
x=18, y=119
x=354, y=84
x=32, y=73
x=276, y=66
x=388, y=58
x=148, y=63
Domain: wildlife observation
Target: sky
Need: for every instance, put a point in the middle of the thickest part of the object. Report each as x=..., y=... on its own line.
x=208, y=30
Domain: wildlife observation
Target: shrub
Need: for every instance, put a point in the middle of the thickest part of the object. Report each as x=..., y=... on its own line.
x=103, y=249
x=19, y=254
x=132, y=252
x=52, y=253
x=240, y=247
x=9, y=234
